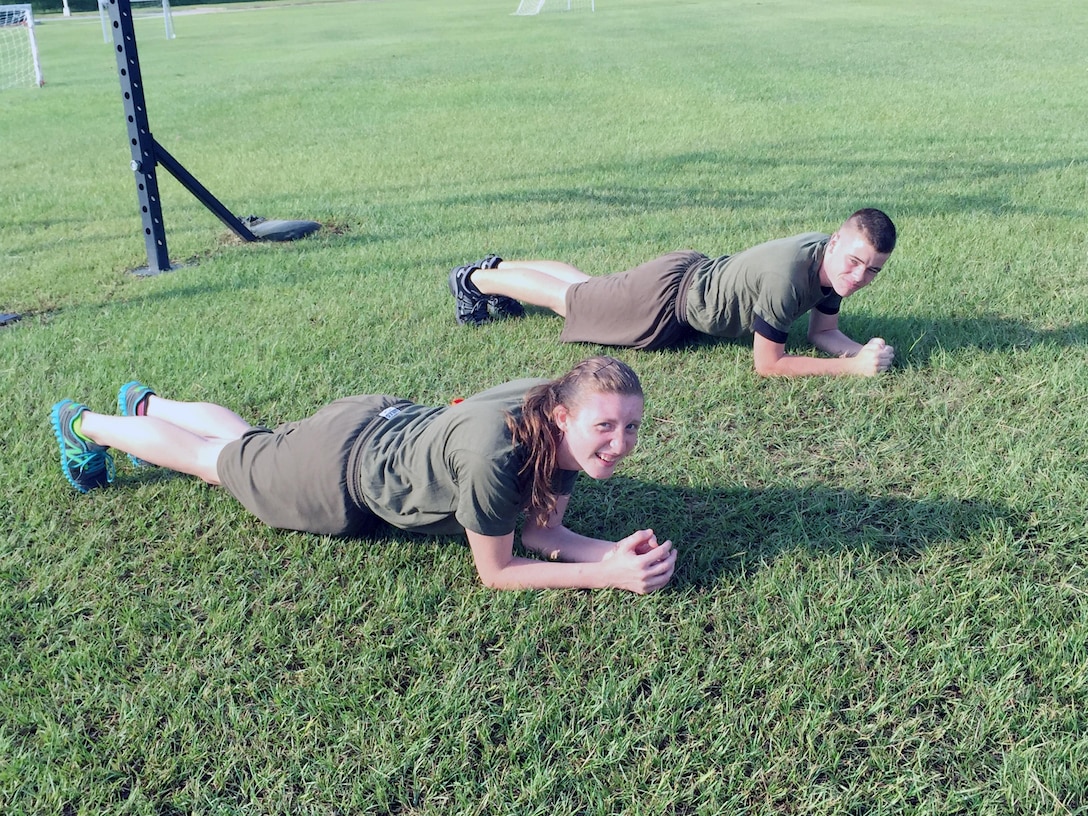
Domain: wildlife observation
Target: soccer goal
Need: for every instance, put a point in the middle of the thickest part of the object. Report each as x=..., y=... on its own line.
x=529, y=7
x=19, y=63
x=155, y=8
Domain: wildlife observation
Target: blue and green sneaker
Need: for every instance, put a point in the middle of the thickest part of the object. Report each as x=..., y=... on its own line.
x=85, y=464
x=129, y=396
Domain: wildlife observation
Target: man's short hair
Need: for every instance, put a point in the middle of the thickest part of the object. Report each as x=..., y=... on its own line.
x=877, y=228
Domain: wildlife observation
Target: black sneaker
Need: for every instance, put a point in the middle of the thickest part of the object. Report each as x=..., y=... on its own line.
x=471, y=306
x=500, y=306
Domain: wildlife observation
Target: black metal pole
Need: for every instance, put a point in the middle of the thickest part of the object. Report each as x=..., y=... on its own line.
x=139, y=135
x=147, y=153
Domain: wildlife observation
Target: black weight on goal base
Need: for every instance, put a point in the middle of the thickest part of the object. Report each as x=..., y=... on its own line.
x=148, y=153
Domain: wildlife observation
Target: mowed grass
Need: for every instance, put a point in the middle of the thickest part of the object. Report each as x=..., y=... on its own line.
x=881, y=599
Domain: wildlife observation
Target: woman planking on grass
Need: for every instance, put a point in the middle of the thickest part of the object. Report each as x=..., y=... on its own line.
x=473, y=466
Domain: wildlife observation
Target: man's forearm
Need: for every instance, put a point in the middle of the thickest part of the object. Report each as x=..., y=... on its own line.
x=835, y=343
x=790, y=365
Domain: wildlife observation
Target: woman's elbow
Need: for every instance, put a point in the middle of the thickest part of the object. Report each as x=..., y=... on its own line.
x=491, y=581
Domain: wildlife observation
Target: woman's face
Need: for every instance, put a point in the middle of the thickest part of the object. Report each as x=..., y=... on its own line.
x=598, y=433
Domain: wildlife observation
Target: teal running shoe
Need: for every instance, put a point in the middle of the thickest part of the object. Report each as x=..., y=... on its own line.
x=129, y=396
x=85, y=464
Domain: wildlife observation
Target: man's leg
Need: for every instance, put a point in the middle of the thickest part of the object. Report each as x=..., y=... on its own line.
x=539, y=283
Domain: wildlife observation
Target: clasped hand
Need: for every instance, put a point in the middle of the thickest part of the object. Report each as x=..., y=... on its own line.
x=874, y=357
x=640, y=564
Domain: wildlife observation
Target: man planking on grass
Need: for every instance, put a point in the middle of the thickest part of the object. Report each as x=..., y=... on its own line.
x=670, y=299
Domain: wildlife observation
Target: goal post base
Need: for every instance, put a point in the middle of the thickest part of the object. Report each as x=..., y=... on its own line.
x=265, y=229
x=256, y=229
x=151, y=271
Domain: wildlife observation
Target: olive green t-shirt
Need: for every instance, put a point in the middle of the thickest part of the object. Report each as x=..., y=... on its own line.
x=452, y=468
x=778, y=281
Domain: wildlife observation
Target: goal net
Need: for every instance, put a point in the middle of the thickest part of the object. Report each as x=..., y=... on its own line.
x=19, y=64
x=141, y=9
x=529, y=7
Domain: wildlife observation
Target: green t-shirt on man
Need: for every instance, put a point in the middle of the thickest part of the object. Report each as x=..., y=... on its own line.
x=777, y=281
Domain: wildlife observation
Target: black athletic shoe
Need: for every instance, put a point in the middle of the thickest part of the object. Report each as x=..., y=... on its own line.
x=471, y=303
x=500, y=306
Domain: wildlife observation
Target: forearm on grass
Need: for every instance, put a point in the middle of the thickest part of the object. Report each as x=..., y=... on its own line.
x=499, y=568
x=562, y=544
x=771, y=360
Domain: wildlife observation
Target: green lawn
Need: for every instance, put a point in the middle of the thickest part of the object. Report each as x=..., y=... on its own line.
x=881, y=599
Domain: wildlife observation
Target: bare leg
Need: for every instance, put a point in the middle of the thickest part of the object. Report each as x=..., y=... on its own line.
x=201, y=418
x=540, y=283
x=557, y=269
x=190, y=445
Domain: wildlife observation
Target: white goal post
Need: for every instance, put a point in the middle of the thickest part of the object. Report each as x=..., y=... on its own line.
x=19, y=62
x=530, y=7
x=157, y=7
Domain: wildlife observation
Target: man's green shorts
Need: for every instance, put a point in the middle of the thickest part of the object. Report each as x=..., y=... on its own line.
x=642, y=308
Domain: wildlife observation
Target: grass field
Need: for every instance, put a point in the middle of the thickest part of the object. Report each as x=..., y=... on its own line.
x=881, y=603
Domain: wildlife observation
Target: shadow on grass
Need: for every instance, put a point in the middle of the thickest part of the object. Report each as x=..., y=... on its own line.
x=918, y=340
x=921, y=187
x=721, y=531
x=737, y=531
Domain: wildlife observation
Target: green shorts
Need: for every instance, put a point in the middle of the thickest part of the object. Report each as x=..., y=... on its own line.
x=303, y=475
x=642, y=308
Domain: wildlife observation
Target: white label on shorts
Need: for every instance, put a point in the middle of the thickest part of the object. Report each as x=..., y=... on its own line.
x=389, y=412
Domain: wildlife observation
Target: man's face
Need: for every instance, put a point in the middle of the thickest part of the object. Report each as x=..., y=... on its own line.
x=850, y=262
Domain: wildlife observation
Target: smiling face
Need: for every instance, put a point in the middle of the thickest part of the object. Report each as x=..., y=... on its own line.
x=850, y=261
x=598, y=432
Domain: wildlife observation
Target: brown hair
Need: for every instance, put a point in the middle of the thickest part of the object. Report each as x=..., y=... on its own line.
x=535, y=428
x=877, y=228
